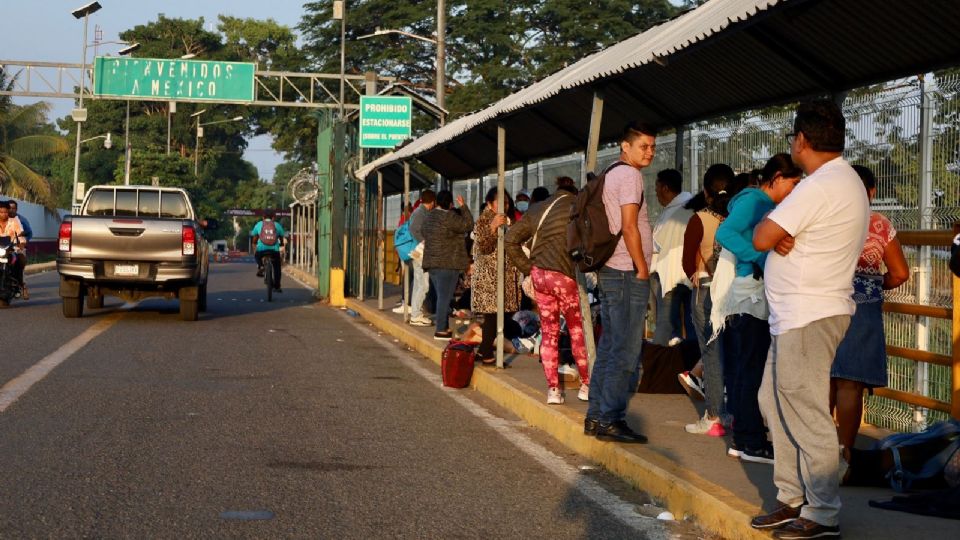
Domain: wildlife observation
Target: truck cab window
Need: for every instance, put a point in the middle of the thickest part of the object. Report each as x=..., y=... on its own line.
x=149, y=203
x=100, y=203
x=126, y=202
x=173, y=205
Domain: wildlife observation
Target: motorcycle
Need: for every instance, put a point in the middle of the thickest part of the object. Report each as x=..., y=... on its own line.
x=10, y=286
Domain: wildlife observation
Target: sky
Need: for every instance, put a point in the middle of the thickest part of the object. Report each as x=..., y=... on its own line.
x=45, y=31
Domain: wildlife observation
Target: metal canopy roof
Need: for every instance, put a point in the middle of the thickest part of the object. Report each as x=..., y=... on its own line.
x=393, y=179
x=723, y=57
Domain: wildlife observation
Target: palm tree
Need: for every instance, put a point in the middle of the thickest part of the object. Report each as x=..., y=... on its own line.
x=21, y=142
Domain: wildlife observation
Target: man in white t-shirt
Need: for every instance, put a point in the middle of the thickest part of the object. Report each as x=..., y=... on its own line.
x=625, y=283
x=818, y=233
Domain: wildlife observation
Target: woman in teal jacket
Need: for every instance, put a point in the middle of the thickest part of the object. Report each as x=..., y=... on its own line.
x=746, y=330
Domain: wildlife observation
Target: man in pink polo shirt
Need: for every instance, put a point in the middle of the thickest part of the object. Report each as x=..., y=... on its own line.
x=625, y=283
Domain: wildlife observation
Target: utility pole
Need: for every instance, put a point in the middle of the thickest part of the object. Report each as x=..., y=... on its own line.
x=441, y=57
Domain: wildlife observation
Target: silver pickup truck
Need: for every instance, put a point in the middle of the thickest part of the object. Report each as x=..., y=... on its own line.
x=133, y=242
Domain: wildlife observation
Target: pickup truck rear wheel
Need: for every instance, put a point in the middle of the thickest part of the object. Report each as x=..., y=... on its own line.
x=72, y=307
x=189, y=309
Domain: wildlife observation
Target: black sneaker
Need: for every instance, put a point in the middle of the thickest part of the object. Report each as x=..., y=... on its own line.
x=804, y=528
x=619, y=431
x=277, y=289
x=783, y=515
x=443, y=336
x=590, y=426
x=764, y=454
x=259, y=272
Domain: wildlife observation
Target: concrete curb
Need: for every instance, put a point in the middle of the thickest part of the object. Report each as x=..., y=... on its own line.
x=40, y=267
x=681, y=490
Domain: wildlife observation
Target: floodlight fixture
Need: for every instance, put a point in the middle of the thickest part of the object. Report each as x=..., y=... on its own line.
x=198, y=113
x=128, y=49
x=82, y=12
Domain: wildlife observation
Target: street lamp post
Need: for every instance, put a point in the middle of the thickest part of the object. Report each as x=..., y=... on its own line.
x=340, y=14
x=196, y=157
x=80, y=114
x=196, y=151
x=172, y=106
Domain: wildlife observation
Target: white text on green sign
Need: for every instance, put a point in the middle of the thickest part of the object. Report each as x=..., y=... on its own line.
x=172, y=79
x=385, y=121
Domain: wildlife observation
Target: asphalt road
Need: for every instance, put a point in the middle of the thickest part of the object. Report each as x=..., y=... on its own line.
x=282, y=419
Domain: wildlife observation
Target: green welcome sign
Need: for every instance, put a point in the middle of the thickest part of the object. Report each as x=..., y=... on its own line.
x=384, y=121
x=168, y=79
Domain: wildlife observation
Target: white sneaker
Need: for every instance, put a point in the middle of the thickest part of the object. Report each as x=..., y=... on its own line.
x=554, y=397
x=567, y=369
x=584, y=393
x=420, y=321
x=398, y=309
x=705, y=426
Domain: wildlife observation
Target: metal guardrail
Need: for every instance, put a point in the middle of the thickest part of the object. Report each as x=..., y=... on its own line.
x=939, y=238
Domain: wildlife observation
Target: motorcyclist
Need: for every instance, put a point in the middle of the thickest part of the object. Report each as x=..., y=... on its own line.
x=28, y=236
x=11, y=232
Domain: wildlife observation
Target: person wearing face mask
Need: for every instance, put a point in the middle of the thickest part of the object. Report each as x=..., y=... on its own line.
x=523, y=202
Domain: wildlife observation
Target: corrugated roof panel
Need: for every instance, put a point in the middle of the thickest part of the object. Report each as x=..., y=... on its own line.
x=725, y=56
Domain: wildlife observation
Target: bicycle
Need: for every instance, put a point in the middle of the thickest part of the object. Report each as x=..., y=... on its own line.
x=268, y=276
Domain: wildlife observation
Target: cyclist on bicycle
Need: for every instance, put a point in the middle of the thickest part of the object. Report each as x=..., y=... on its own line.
x=269, y=236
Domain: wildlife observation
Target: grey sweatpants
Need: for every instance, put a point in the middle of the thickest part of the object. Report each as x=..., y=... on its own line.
x=795, y=400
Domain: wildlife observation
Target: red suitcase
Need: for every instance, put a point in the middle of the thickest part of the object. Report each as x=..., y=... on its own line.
x=456, y=364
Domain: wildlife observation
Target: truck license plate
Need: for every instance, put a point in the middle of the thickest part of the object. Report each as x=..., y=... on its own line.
x=126, y=269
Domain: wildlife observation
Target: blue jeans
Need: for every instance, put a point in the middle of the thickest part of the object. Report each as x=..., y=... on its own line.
x=746, y=341
x=710, y=354
x=674, y=312
x=444, y=280
x=616, y=372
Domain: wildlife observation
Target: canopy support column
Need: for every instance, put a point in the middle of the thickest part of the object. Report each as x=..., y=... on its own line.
x=501, y=179
x=404, y=275
x=593, y=139
x=380, y=241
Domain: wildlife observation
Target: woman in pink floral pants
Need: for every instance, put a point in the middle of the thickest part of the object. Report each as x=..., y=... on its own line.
x=557, y=295
x=544, y=230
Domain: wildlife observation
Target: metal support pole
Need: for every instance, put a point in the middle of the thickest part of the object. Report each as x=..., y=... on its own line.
x=678, y=148
x=501, y=178
x=525, y=179
x=343, y=57
x=126, y=144
x=590, y=164
x=924, y=270
x=403, y=265
x=170, y=105
x=694, y=162
x=380, y=241
x=196, y=151
x=363, y=234
x=593, y=139
x=76, y=156
x=441, y=58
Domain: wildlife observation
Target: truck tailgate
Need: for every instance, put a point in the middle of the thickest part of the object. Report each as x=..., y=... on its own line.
x=127, y=239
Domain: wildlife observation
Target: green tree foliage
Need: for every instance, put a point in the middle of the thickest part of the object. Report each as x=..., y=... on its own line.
x=494, y=47
x=25, y=138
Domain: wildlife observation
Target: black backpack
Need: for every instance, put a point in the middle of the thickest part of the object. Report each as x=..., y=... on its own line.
x=589, y=240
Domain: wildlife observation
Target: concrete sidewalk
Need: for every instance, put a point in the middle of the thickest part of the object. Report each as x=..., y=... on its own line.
x=690, y=474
